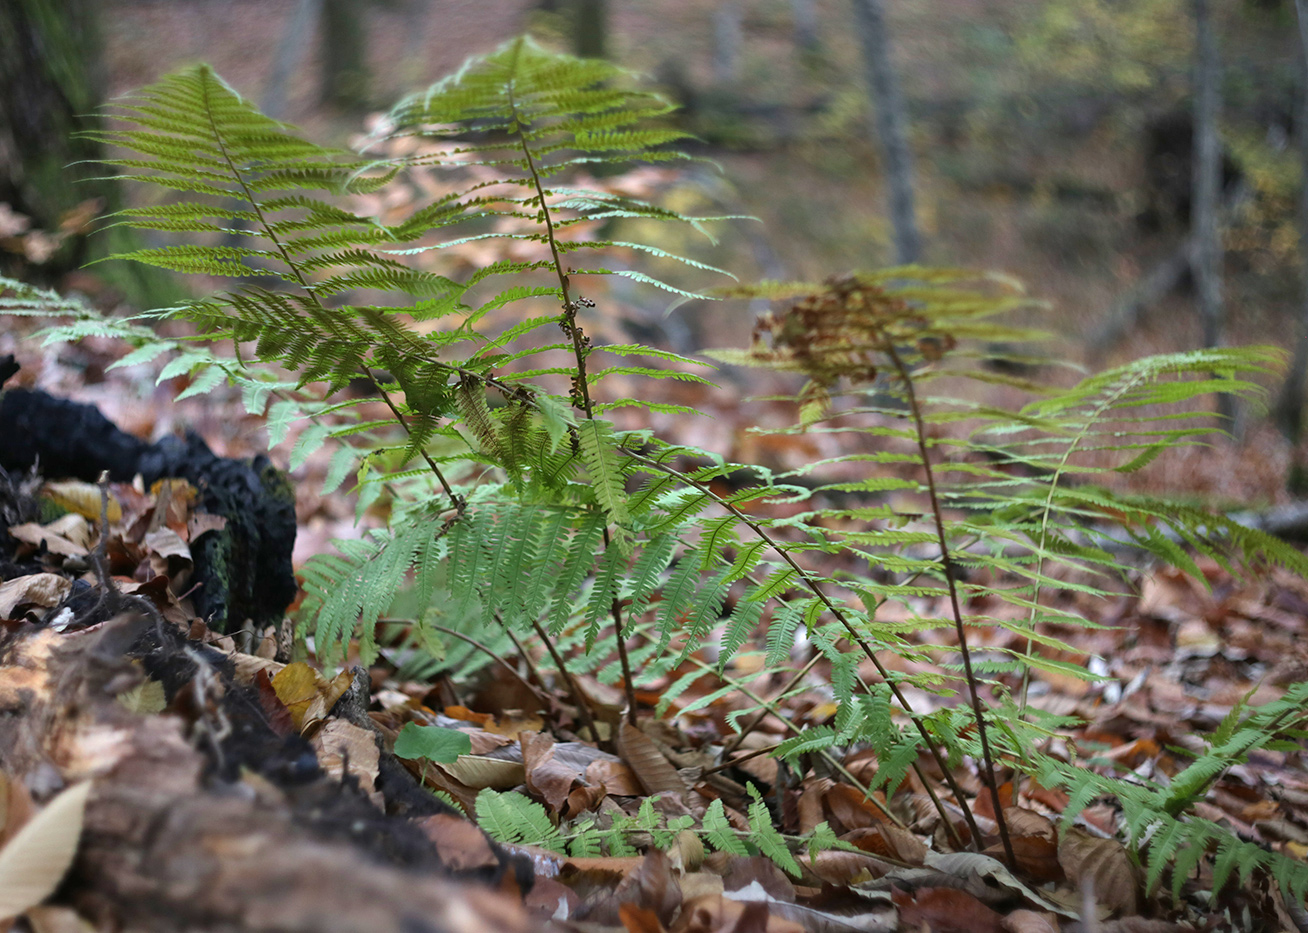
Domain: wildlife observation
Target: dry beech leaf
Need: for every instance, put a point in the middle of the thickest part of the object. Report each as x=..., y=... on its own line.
x=547, y=779
x=652, y=769
x=889, y=841
x=1030, y=921
x=945, y=910
x=616, y=778
x=651, y=886
x=43, y=590
x=461, y=845
x=146, y=698
x=838, y=867
x=82, y=498
x=34, y=861
x=1024, y=822
x=342, y=745
x=1105, y=865
x=36, y=535
x=479, y=772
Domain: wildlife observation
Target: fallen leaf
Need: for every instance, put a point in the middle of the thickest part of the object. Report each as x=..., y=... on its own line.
x=40, y=590
x=37, y=535
x=945, y=910
x=146, y=698
x=652, y=769
x=35, y=860
x=343, y=746
x=1104, y=865
x=461, y=845
x=82, y=498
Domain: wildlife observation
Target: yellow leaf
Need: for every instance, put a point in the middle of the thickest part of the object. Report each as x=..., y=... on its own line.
x=35, y=861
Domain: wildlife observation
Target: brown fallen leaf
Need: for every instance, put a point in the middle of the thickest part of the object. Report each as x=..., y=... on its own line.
x=1030, y=921
x=461, y=845
x=343, y=746
x=36, y=590
x=1104, y=865
x=652, y=769
x=945, y=910
x=715, y=913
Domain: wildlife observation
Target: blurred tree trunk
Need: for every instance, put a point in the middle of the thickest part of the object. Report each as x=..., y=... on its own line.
x=300, y=30
x=590, y=27
x=1207, y=261
x=344, y=54
x=52, y=81
x=49, y=69
x=891, y=125
x=1289, y=409
x=804, y=14
x=727, y=39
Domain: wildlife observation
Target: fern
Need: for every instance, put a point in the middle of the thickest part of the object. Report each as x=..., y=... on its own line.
x=518, y=509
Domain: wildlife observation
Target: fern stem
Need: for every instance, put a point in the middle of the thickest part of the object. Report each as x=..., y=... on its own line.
x=849, y=627
x=830, y=759
x=577, y=698
x=580, y=349
x=468, y=639
x=800, y=675
x=947, y=565
x=456, y=500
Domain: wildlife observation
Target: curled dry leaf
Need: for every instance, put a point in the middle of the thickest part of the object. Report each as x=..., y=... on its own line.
x=652, y=769
x=1105, y=866
x=343, y=746
x=548, y=779
x=56, y=543
x=307, y=694
x=39, y=590
x=34, y=861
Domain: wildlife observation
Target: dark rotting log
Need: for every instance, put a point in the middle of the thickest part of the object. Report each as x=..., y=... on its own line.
x=244, y=571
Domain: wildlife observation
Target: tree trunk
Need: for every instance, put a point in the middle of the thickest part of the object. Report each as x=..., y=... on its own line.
x=1207, y=261
x=296, y=39
x=804, y=14
x=50, y=70
x=589, y=27
x=727, y=39
x=344, y=55
x=891, y=125
x=49, y=64
x=1289, y=408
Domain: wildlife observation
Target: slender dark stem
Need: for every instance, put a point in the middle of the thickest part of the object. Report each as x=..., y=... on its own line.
x=456, y=500
x=947, y=565
x=849, y=627
x=468, y=639
x=583, y=710
x=580, y=350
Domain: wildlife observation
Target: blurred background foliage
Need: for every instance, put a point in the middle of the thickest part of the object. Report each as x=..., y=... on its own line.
x=1051, y=139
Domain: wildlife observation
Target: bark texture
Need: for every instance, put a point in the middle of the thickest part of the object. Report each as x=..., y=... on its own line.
x=168, y=845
